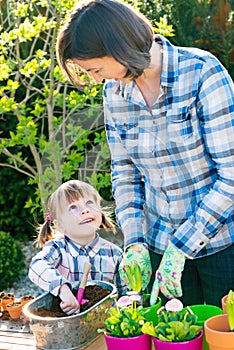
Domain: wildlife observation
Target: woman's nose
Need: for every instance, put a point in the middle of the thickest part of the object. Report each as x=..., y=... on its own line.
x=97, y=77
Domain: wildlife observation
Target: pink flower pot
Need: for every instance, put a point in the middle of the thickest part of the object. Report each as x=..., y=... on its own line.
x=193, y=344
x=141, y=342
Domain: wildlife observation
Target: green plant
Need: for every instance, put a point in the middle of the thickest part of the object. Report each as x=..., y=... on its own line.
x=11, y=260
x=230, y=309
x=133, y=273
x=126, y=319
x=174, y=324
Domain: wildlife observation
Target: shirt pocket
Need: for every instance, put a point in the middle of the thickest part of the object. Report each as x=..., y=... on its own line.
x=179, y=125
x=128, y=130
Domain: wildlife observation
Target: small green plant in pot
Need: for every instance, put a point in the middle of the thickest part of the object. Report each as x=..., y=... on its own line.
x=230, y=309
x=125, y=318
x=175, y=325
x=134, y=276
x=123, y=327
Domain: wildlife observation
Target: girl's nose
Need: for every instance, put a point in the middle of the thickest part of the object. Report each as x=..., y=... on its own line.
x=84, y=210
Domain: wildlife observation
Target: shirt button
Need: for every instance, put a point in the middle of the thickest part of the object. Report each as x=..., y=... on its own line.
x=202, y=243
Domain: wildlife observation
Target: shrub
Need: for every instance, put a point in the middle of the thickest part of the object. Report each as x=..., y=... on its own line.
x=11, y=260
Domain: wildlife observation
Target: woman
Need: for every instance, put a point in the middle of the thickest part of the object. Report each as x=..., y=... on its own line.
x=169, y=122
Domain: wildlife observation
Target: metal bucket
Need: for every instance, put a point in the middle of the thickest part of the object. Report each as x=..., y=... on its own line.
x=69, y=332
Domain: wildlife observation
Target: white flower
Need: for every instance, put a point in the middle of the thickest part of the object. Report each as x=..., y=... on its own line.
x=174, y=305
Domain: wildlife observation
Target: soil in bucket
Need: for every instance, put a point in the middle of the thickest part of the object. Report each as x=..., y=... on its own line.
x=92, y=293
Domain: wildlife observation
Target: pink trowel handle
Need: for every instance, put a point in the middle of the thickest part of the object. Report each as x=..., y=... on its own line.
x=80, y=293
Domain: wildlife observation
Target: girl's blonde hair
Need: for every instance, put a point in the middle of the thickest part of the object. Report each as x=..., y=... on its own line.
x=69, y=192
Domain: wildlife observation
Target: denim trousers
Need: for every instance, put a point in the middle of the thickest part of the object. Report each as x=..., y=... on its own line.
x=204, y=280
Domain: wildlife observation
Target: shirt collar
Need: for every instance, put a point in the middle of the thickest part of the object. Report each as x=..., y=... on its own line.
x=169, y=74
x=90, y=249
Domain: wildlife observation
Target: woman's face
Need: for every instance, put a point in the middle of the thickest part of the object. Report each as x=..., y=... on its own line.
x=103, y=68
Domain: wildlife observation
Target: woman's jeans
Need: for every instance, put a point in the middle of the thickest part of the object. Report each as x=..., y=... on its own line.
x=204, y=280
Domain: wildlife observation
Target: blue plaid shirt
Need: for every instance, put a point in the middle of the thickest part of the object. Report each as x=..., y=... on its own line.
x=62, y=261
x=173, y=166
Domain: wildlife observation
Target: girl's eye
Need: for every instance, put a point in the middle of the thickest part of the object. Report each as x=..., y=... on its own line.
x=72, y=207
x=89, y=202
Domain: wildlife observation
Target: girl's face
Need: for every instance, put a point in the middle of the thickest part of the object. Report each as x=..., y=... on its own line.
x=103, y=68
x=80, y=220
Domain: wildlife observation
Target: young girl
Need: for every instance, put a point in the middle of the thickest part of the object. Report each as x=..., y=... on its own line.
x=75, y=212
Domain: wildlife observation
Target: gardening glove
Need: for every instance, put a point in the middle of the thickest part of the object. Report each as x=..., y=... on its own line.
x=168, y=276
x=138, y=254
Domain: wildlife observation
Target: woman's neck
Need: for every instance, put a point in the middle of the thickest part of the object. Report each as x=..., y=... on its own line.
x=149, y=81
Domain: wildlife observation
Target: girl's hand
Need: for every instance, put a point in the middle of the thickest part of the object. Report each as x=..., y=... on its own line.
x=69, y=304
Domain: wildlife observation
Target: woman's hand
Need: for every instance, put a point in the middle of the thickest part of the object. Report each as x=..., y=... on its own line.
x=69, y=304
x=168, y=276
x=138, y=253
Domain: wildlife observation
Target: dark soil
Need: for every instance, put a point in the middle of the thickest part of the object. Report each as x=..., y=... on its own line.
x=92, y=293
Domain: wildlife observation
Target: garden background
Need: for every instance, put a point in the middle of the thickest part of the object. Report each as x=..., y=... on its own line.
x=50, y=131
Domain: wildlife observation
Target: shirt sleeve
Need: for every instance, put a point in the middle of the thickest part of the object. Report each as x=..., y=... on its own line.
x=43, y=269
x=215, y=109
x=127, y=186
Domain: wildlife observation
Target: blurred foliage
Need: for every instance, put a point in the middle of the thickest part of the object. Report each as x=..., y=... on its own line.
x=11, y=260
x=206, y=24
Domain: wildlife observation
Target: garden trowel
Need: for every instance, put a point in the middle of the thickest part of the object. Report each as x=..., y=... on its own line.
x=80, y=292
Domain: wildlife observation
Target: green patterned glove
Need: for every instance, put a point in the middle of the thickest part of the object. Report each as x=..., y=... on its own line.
x=136, y=254
x=168, y=276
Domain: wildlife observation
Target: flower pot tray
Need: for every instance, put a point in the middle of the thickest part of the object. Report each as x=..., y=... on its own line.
x=67, y=332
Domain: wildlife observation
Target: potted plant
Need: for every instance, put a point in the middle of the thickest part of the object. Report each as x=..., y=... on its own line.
x=134, y=277
x=203, y=312
x=123, y=327
x=219, y=330
x=176, y=329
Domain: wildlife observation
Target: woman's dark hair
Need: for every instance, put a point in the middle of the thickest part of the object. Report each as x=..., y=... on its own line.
x=98, y=28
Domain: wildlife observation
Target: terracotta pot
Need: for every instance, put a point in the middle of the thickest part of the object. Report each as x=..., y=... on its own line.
x=7, y=298
x=218, y=334
x=223, y=301
x=151, y=311
x=26, y=298
x=192, y=344
x=14, y=309
x=141, y=342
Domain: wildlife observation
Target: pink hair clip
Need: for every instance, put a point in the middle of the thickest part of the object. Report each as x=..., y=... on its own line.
x=48, y=218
